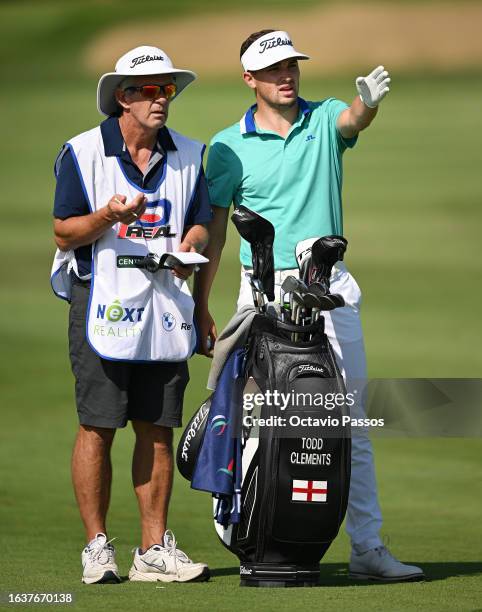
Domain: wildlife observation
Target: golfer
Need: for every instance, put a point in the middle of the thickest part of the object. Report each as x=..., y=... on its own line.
x=127, y=192
x=283, y=160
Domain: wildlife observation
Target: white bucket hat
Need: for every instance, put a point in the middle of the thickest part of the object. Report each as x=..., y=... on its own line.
x=139, y=61
x=268, y=50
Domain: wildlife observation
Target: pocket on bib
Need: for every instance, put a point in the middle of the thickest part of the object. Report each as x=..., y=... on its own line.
x=175, y=308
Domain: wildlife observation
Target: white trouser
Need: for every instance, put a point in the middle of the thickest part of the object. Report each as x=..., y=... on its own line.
x=343, y=328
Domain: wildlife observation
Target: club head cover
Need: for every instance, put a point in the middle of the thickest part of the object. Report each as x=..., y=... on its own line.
x=259, y=233
x=303, y=256
x=317, y=256
x=325, y=252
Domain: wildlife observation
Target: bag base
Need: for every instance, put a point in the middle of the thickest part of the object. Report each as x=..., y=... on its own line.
x=273, y=575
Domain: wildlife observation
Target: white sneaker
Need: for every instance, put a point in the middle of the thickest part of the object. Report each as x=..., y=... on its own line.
x=98, y=561
x=379, y=564
x=166, y=563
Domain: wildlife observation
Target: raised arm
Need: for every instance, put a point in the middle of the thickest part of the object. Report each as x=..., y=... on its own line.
x=371, y=90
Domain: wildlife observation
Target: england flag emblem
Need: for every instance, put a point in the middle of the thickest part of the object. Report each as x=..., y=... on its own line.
x=309, y=490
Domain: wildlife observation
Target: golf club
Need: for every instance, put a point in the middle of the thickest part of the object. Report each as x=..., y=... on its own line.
x=259, y=233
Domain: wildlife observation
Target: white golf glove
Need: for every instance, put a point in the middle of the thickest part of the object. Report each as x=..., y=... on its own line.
x=373, y=87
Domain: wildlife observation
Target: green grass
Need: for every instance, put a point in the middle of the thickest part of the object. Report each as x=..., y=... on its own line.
x=429, y=507
x=412, y=218
x=411, y=215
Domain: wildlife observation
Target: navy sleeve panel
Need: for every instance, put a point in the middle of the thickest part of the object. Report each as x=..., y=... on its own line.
x=200, y=209
x=69, y=196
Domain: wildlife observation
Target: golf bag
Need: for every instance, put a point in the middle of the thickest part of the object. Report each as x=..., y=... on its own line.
x=295, y=454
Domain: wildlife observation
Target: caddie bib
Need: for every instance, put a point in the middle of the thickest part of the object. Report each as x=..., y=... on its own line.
x=133, y=314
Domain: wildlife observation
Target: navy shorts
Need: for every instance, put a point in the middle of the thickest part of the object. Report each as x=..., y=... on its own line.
x=109, y=393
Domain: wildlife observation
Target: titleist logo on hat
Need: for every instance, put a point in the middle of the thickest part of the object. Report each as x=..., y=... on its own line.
x=270, y=43
x=145, y=58
x=270, y=49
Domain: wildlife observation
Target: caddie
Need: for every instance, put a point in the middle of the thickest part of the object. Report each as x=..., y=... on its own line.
x=129, y=191
x=283, y=160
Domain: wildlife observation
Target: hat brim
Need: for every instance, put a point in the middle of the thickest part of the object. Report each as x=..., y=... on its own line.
x=277, y=55
x=109, y=82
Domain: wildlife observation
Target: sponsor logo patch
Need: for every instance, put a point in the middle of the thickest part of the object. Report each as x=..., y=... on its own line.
x=168, y=321
x=128, y=318
x=129, y=261
x=116, y=312
x=154, y=223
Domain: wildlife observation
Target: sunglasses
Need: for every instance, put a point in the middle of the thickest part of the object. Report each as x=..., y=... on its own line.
x=152, y=92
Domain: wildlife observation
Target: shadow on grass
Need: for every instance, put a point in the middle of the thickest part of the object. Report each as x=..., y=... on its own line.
x=336, y=574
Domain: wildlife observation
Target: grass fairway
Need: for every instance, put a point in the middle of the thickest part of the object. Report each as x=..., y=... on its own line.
x=412, y=221
x=42, y=539
x=412, y=217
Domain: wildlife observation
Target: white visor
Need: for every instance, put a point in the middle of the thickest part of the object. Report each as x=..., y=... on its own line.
x=268, y=50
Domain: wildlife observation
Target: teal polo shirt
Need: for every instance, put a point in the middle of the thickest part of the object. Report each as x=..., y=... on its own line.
x=295, y=182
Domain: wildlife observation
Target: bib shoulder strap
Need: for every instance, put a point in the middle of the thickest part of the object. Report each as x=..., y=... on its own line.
x=86, y=141
x=188, y=146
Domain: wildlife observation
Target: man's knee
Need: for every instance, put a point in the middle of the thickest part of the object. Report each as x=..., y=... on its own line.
x=98, y=436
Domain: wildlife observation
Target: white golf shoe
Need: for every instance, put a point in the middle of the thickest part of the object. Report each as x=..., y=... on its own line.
x=166, y=563
x=379, y=564
x=98, y=561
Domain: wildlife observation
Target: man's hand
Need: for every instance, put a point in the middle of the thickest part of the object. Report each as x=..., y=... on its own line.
x=74, y=232
x=207, y=332
x=194, y=240
x=373, y=87
x=120, y=212
x=184, y=272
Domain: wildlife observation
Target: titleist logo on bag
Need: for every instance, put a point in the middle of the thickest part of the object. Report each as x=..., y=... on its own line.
x=309, y=368
x=273, y=42
x=145, y=58
x=197, y=422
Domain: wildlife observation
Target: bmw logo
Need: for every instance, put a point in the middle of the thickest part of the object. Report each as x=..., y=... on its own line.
x=168, y=321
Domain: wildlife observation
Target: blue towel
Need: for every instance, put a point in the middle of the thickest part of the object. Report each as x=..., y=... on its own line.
x=218, y=467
